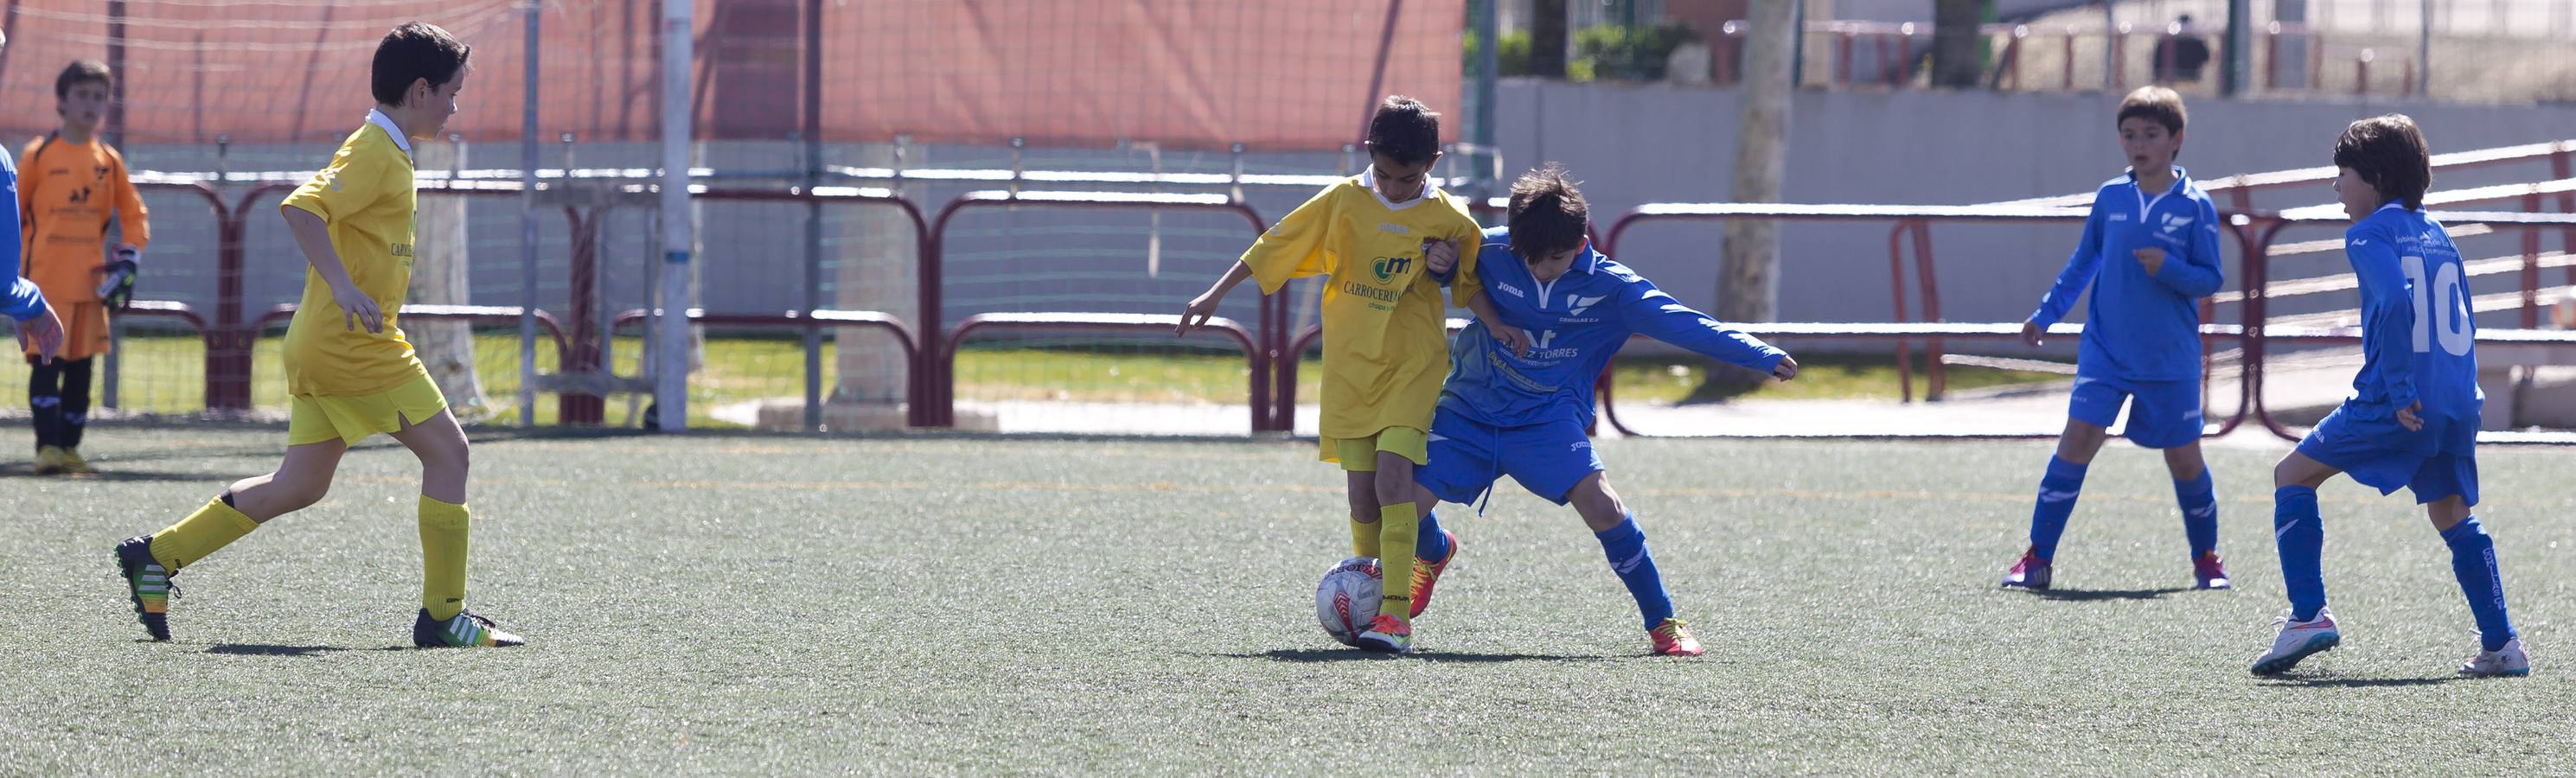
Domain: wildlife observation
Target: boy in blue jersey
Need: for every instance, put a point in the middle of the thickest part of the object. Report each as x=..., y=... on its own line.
x=1519, y=392
x=2412, y=420
x=2149, y=253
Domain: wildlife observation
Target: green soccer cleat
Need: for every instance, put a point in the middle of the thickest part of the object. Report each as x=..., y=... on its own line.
x=147, y=585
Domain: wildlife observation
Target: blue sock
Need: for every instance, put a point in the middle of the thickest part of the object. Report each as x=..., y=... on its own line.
x=2199, y=501
x=1429, y=543
x=1625, y=545
x=2473, y=560
x=2057, y=493
x=2302, y=541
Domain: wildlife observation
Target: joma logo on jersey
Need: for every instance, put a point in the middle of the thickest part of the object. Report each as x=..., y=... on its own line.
x=1387, y=268
x=1394, y=228
x=1509, y=289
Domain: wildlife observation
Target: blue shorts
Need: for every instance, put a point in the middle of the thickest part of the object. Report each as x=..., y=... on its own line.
x=2375, y=453
x=1467, y=456
x=2164, y=414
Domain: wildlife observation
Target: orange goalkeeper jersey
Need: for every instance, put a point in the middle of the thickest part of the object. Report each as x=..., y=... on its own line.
x=67, y=194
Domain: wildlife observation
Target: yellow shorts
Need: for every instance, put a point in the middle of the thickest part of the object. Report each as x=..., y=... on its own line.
x=1359, y=455
x=313, y=419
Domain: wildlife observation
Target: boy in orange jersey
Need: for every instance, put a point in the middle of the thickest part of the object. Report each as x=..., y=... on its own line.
x=73, y=185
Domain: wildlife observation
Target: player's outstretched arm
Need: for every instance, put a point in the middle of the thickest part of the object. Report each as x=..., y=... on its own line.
x=1653, y=313
x=1202, y=307
x=1291, y=248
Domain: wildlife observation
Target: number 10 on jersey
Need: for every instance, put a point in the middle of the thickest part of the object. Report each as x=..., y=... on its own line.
x=2441, y=296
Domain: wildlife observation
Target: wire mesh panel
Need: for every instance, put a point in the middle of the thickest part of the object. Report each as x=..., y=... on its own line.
x=1859, y=280
x=1107, y=259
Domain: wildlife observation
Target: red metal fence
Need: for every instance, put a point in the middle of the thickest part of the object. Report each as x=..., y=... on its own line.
x=1272, y=351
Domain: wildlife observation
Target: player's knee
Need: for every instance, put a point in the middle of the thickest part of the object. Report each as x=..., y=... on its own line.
x=447, y=457
x=2184, y=462
x=1395, y=494
x=2079, y=443
x=1597, y=502
x=1392, y=490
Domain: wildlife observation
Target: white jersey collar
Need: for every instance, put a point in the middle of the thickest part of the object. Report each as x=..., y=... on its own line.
x=1368, y=180
x=378, y=118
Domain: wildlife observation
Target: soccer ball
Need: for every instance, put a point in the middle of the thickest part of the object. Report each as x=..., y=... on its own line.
x=1346, y=601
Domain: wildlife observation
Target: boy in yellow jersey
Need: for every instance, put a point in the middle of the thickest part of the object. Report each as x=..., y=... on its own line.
x=349, y=372
x=73, y=185
x=1382, y=239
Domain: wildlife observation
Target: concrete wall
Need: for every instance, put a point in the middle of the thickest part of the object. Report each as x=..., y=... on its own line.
x=1639, y=144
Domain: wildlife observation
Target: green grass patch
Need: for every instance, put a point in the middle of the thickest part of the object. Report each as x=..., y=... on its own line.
x=954, y=604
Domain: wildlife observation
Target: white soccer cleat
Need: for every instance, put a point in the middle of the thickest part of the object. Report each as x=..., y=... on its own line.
x=2510, y=660
x=2298, y=640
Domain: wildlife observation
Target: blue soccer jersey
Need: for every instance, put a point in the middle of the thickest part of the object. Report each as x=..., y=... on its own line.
x=2418, y=337
x=1575, y=323
x=19, y=297
x=2137, y=326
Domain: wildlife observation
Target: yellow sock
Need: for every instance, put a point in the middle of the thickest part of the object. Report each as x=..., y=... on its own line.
x=211, y=527
x=1395, y=527
x=442, y=558
x=1363, y=539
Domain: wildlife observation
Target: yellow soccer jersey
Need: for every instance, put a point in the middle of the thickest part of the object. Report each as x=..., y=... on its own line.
x=366, y=197
x=1386, y=346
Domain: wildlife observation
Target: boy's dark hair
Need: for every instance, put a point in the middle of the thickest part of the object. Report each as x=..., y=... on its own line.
x=1404, y=130
x=416, y=51
x=85, y=71
x=2153, y=103
x=1547, y=213
x=2388, y=153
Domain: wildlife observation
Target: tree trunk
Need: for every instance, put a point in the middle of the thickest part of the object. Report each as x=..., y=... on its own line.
x=1548, y=38
x=1955, y=60
x=1749, y=281
x=439, y=277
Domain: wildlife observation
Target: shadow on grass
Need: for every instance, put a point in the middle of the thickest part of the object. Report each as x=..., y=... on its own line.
x=1356, y=655
x=259, y=649
x=2322, y=681
x=112, y=475
x=2110, y=594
